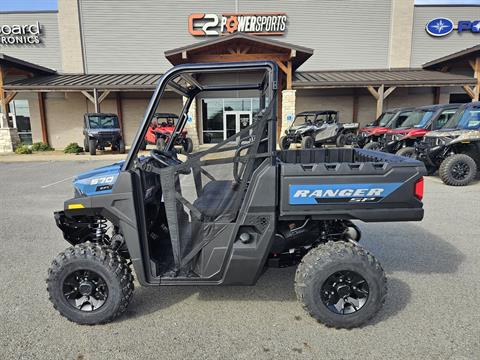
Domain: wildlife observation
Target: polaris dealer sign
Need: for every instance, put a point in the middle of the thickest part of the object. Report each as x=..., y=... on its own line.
x=20, y=34
x=340, y=193
x=439, y=27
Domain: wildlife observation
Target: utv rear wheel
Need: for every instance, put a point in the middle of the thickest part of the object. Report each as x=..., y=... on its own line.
x=188, y=145
x=92, y=146
x=372, y=145
x=121, y=146
x=86, y=145
x=160, y=143
x=340, y=284
x=408, y=152
x=284, y=143
x=458, y=170
x=307, y=142
x=90, y=284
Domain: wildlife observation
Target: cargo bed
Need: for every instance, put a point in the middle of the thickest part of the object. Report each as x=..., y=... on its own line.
x=350, y=184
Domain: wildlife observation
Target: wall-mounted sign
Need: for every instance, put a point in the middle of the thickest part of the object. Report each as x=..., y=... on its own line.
x=257, y=24
x=443, y=26
x=20, y=34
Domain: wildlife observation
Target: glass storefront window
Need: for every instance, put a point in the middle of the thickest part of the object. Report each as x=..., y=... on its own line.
x=20, y=113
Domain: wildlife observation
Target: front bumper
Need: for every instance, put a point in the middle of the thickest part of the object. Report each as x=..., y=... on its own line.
x=428, y=154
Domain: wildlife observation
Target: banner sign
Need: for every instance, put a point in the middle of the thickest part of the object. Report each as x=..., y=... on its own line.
x=20, y=34
x=256, y=24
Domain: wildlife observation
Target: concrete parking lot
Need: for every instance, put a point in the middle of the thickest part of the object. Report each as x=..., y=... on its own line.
x=431, y=312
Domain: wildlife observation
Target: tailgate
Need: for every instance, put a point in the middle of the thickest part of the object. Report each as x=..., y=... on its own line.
x=371, y=186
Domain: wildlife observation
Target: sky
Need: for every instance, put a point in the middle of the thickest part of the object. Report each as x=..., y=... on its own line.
x=27, y=5
x=30, y=5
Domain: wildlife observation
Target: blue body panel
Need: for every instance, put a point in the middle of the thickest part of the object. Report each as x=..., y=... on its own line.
x=98, y=181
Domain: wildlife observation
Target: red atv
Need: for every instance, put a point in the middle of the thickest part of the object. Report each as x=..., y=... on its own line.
x=390, y=119
x=424, y=119
x=161, y=129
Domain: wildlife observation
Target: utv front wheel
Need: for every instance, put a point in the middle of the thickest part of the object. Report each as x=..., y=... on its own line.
x=188, y=145
x=284, y=143
x=90, y=284
x=121, y=146
x=372, y=145
x=92, y=146
x=458, y=170
x=340, y=284
x=307, y=142
x=86, y=145
x=160, y=143
x=408, y=152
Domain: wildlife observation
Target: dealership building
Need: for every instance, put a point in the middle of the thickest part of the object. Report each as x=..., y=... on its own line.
x=358, y=57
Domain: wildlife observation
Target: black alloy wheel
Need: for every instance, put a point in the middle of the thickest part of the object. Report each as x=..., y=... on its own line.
x=458, y=170
x=85, y=290
x=344, y=292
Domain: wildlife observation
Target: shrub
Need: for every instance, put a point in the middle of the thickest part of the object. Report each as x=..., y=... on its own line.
x=40, y=146
x=23, y=149
x=73, y=148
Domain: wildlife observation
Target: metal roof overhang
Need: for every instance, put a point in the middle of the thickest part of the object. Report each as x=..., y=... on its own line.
x=79, y=82
x=13, y=62
x=457, y=57
x=387, y=77
x=302, y=80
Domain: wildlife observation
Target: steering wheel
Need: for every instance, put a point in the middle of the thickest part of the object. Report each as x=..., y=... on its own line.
x=166, y=158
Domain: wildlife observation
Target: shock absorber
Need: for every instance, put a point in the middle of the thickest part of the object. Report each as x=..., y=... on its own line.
x=100, y=229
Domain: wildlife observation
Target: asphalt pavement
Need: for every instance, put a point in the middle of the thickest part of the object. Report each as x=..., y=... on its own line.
x=431, y=312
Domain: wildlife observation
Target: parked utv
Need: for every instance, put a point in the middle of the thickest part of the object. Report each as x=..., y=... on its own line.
x=369, y=136
x=401, y=141
x=161, y=129
x=102, y=130
x=219, y=216
x=316, y=128
x=455, y=149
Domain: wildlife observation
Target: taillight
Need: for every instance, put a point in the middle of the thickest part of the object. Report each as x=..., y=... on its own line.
x=419, y=189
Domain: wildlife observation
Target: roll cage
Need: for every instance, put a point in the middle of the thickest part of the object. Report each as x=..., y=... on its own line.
x=183, y=79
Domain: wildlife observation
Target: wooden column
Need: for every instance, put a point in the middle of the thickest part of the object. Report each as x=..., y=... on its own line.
x=289, y=75
x=355, y=106
x=477, y=77
x=380, y=95
x=3, y=103
x=436, y=95
x=43, y=119
x=120, y=112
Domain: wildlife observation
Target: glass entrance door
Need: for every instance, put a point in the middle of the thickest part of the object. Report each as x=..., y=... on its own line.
x=234, y=121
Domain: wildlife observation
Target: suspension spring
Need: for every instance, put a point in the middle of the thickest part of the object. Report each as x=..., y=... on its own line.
x=100, y=227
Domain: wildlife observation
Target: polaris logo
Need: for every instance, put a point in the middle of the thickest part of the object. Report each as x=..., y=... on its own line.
x=340, y=193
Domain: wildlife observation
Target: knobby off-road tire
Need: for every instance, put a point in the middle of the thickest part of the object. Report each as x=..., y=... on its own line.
x=121, y=146
x=160, y=143
x=458, y=170
x=92, y=146
x=372, y=145
x=188, y=145
x=307, y=142
x=341, y=140
x=327, y=260
x=408, y=152
x=284, y=144
x=86, y=145
x=98, y=260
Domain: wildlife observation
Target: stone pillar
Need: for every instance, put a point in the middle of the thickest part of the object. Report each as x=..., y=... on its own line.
x=401, y=33
x=191, y=125
x=9, y=139
x=70, y=37
x=288, y=108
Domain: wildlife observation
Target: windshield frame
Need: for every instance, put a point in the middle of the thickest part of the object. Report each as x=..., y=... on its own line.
x=100, y=118
x=460, y=119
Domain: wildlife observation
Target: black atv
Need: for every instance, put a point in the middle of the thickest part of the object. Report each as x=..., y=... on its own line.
x=219, y=216
x=316, y=128
x=102, y=130
x=455, y=149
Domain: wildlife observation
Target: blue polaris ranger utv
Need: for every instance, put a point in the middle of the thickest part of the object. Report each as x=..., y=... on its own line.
x=220, y=216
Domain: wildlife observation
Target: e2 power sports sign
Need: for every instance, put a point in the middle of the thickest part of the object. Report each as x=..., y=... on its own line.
x=20, y=34
x=340, y=193
x=257, y=24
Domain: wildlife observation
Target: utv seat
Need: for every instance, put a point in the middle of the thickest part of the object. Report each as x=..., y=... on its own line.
x=217, y=199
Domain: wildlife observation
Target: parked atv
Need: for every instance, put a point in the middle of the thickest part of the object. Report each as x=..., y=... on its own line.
x=368, y=136
x=223, y=214
x=161, y=130
x=455, y=149
x=316, y=128
x=100, y=131
x=422, y=120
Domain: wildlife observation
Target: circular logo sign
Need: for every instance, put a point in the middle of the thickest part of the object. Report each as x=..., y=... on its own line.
x=439, y=27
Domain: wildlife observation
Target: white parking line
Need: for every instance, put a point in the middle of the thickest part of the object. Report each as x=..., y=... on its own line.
x=56, y=182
